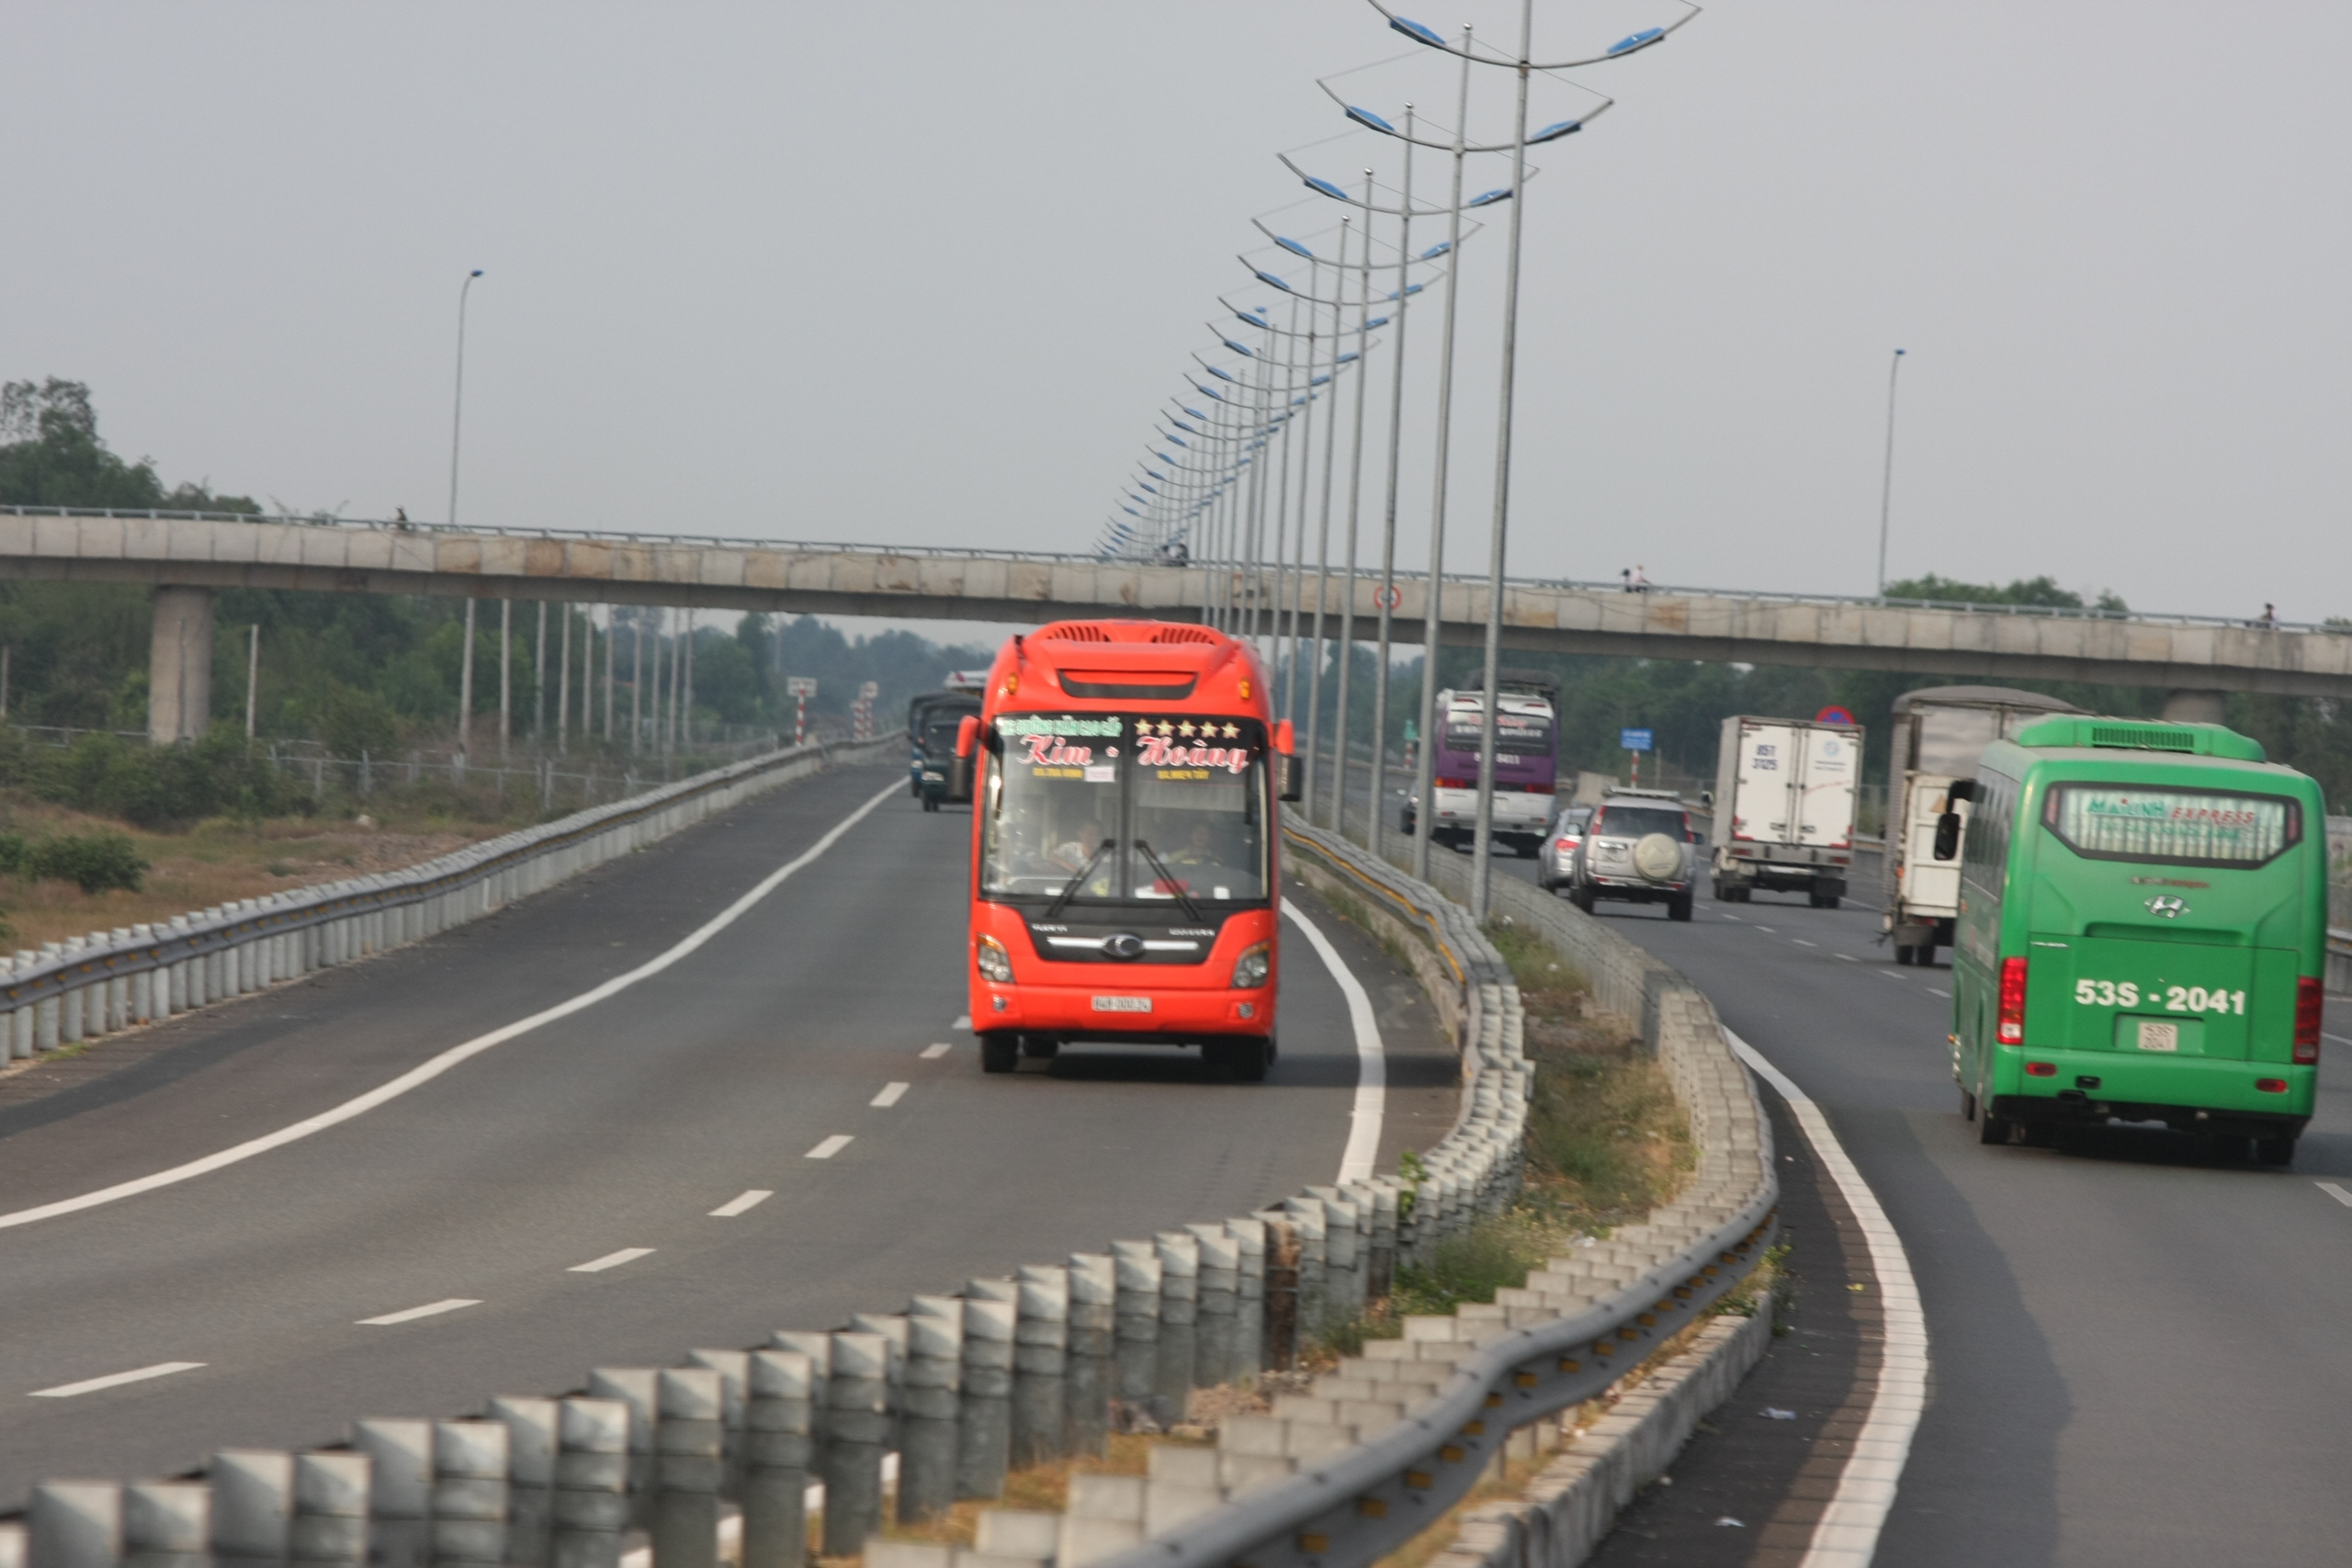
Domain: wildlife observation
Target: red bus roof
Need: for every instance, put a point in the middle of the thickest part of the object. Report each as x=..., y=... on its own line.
x=1094, y=666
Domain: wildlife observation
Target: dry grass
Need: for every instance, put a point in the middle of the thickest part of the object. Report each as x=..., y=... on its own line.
x=1042, y=1487
x=210, y=864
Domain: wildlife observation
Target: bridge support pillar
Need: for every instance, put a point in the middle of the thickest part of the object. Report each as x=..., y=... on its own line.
x=180, y=666
x=2196, y=707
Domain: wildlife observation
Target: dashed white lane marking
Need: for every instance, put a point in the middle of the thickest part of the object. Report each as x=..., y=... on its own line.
x=2333, y=1190
x=1727, y=916
x=736, y=1205
x=1886, y=975
x=891, y=1094
x=1801, y=943
x=431, y=1309
x=1849, y=958
x=932, y=1053
x=1846, y=1535
x=2339, y=1039
x=1372, y=1060
x=426, y=1071
x=611, y=1261
x=116, y=1379
x=830, y=1146
x=1938, y=991
x=1767, y=931
x=963, y=1022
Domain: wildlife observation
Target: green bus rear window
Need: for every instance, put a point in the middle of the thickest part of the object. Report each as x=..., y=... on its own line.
x=2180, y=827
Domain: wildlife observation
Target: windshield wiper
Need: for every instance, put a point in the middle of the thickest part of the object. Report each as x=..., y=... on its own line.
x=1173, y=884
x=1070, y=889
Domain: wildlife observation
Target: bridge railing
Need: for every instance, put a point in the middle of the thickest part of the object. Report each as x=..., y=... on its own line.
x=1474, y=581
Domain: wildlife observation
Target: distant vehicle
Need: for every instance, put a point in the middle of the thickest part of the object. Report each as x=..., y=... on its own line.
x=2142, y=936
x=1939, y=732
x=1559, y=851
x=933, y=722
x=1784, y=808
x=1639, y=847
x=1526, y=743
x=1124, y=857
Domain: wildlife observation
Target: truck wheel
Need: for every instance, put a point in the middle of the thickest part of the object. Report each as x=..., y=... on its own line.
x=1823, y=900
x=1679, y=907
x=1992, y=1129
x=999, y=1051
x=1906, y=956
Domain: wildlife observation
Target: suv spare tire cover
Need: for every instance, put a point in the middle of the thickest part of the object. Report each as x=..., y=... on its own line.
x=1657, y=857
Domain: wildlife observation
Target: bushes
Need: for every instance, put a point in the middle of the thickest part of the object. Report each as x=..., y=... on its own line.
x=96, y=862
x=154, y=786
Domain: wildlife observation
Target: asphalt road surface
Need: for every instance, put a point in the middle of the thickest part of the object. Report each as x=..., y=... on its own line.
x=2138, y=1349
x=588, y=1193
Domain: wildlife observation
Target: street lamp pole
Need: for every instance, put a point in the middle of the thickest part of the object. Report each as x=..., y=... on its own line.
x=1482, y=846
x=1886, y=482
x=456, y=429
x=1388, y=521
x=1425, y=756
x=1355, y=491
x=1323, y=528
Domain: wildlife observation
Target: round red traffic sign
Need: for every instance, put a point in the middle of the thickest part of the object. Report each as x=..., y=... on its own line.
x=1832, y=716
x=1388, y=598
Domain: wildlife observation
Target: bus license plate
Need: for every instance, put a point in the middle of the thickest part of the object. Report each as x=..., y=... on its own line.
x=2155, y=1036
x=1123, y=1004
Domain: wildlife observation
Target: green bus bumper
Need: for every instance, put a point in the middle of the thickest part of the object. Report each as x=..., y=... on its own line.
x=2192, y=1093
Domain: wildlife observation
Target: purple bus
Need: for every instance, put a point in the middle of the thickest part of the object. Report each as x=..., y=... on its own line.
x=1526, y=756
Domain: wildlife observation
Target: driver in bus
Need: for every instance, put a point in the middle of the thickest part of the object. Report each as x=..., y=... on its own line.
x=1200, y=850
x=1072, y=856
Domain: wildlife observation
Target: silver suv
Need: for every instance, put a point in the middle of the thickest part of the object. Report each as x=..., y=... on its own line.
x=1554, y=861
x=1639, y=847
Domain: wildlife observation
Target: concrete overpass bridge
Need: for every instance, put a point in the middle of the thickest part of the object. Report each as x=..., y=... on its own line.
x=186, y=556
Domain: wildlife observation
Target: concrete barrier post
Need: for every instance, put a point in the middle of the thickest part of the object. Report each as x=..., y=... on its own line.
x=1311, y=1225
x=930, y=1404
x=778, y=1446
x=857, y=1428
x=330, y=1508
x=1249, y=1297
x=1281, y=1342
x=400, y=1455
x=1215, y=1325
x=74, y=1524
x=984, y=1444
x=142, y=984
x=1138, y=1331
x=167, y=1522
x=72, y=1027
x=1342, y=1256
x=1093, y=1327
x=1180, y=1289
x=689, y=1443
x=1040, y=1364
x=591, y=1481
x=253, y=1503
x=1380, y=1273
x=470, y=1491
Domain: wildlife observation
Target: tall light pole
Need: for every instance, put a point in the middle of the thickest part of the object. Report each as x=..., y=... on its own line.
x=456, y=429
x=1886, y=482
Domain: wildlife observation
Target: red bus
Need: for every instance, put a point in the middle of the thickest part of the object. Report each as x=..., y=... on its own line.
x=1124, y=871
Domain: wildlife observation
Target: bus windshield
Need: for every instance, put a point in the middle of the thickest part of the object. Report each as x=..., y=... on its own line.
x=1106, y=809
x=2181, y=827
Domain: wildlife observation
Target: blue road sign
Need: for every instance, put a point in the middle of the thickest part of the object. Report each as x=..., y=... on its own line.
x=1633, y=740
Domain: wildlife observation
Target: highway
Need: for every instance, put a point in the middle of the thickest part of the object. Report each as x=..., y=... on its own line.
x=784, y=1125
x=2138, y=1353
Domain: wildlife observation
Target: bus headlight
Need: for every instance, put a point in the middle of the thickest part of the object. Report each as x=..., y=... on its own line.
x=995, y=962
x=1249, y=969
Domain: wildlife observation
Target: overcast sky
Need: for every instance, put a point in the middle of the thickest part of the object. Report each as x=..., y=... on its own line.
x=920, y=273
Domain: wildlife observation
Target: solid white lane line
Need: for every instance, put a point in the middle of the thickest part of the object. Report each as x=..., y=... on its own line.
x=963, y=1022
x=1371, y=1061
x=116, y=1379
x=610, y=1260
x=2333, y=1190
x=433, y=1308
x=425, y=1072
x=1847, y=1533
x=932, y=1053
x=891, y=1094
x=736, y=1205
x=1801, y=943
x=830, y=1146
x=2339, y=1039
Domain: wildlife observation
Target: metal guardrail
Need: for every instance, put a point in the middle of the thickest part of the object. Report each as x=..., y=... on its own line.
x=1467, y=580
x=86, y=986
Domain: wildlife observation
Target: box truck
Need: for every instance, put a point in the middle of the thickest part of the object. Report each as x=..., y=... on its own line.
x=1939, y=732
x=1784, y=808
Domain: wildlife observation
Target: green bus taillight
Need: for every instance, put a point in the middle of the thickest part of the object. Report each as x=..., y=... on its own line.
x=2309, y=998
x=2009, y=1027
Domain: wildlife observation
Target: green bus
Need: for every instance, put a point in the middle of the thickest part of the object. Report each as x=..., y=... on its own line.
x=2142, y=930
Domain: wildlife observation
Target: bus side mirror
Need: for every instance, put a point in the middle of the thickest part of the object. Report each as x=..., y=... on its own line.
x=1948, y=835
x=1707, y=798
x=1961, y=789
x=1290, y=774
x=959, y=772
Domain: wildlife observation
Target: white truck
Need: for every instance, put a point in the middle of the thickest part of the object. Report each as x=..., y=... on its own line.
x=1939, y=732
x=1784, y=808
